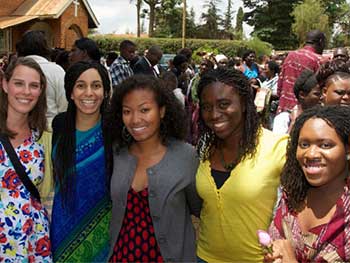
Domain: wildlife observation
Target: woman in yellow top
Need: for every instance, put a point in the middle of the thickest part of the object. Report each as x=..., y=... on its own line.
x=239, y=171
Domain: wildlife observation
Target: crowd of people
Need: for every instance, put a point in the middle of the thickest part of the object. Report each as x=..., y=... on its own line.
x=116, y=159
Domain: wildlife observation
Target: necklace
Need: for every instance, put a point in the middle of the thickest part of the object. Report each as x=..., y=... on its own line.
x=227, y=166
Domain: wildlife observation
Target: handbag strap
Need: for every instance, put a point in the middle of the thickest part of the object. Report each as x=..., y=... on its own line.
x=23, y=176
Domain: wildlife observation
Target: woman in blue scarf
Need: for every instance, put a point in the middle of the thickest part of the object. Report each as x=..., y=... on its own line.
x=81, y=209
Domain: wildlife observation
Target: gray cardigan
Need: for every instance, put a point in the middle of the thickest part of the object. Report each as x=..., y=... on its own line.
x=172, y=198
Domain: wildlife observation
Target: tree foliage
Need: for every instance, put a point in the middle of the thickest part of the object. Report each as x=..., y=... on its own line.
x=239, y=24
x=228, y=17
x=308, y=16
x=272, y=21
x=212, y=19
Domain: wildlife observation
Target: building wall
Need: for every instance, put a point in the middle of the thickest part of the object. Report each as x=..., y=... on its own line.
x=65, y=29
x=74, y=27
x=9, y=6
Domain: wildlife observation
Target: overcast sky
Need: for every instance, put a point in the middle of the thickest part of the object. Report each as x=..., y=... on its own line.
x=119, y=16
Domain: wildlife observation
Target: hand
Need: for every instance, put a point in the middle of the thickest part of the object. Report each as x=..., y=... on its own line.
x=283, y=251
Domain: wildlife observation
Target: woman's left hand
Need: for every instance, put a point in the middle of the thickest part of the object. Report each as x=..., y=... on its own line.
x=283, y=251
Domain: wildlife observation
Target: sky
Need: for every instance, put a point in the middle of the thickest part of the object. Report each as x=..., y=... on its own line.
x=119, y=16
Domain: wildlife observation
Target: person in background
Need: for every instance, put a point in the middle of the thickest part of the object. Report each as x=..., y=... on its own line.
x=62, y=59
x=334, y=78
x=82, y=164
x=153, y=182
x=221, y=61
x=120, y=68
x=187, y=52
x=170, y=82
x=249, y=67
x=146, y=64
x=84, y=49
x=33, y=44
x=308, y=93
x=312, y=220
x=238, y=175
x=24, y=223
x=341, y=53
x=180, y=64
x=111, y=56
x=308, y=57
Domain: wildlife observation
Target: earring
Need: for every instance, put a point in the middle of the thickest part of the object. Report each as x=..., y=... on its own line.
x=348, y=157
x=126, y=135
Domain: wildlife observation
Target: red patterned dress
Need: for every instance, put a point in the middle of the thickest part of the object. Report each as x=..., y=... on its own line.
x=136, y=241
x=24, y=225
x=328, y=242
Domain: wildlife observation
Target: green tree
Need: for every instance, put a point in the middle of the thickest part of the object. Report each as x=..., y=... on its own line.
x=342, y=38
x=228, y=17
x=333, y=8
x=309, y=15
x=152, y=4
x=212, y=20
x=272, y=21
x=168, y=22
x=191, y=24
x=239, y=24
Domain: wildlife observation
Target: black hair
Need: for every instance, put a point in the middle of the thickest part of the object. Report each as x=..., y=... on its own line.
x=305, y=83
x=90, y=46
x=247, y=53
x=273, y=66
x=293, y=179
x=173, y=124
x=251, y=128
x=179, y=59
x=332, y=70
x=126, y=43
x=33, y=43
x=64, y=159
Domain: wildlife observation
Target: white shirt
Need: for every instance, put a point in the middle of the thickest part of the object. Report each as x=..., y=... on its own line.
x=55, y=93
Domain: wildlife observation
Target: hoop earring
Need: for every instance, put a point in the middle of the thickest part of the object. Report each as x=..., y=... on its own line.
x=126, y=135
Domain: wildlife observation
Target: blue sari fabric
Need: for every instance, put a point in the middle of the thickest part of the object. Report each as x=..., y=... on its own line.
x=80, y=224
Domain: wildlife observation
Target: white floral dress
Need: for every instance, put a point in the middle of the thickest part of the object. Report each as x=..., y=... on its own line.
x=24, y=225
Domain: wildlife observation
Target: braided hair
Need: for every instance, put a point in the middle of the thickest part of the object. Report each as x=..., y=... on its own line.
x=250, y=136
x=293, y=180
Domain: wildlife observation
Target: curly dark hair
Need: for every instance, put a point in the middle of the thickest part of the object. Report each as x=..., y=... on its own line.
x=330, y=71
x=251, y=128
x=305, y=83
x=174, y=123
x=293, y=180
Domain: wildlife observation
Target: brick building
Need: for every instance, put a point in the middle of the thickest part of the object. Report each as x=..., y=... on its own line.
x=63, y=21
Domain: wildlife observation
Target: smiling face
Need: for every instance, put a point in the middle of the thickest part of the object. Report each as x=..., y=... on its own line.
x=88, y=93
x=222, y=110
x=337, y=92
x=23, y=90
x=321, y=153
x=142, y=115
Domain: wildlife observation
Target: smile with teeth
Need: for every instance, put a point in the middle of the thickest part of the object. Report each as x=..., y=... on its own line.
x=24, y=101
x=88, y=102
x=219, y=125
x=313, y=167
x=138, y=129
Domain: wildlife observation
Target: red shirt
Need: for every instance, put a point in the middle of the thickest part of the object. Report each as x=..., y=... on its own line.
x=293, y=65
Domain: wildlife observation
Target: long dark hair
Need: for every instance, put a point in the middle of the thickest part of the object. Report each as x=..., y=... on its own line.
x=64, y=158
x=173, y=124
x=36, y=118
x=293, y=179
x=250, y=136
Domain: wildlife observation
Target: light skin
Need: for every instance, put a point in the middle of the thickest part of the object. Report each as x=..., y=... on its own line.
x=141, y=117
x=337, y=92
x=322, y=156
x=88, y=96
x=23, y=92
x=223, y=112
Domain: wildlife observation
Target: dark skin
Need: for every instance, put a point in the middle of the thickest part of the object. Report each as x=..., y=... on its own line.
x=223, y=112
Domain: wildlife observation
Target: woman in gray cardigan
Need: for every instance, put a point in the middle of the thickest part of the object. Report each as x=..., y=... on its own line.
x=153, y=181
